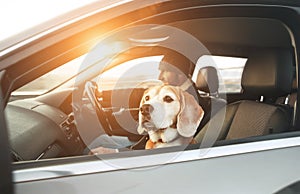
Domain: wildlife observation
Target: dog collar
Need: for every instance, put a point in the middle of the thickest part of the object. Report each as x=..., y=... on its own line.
x=174, y=125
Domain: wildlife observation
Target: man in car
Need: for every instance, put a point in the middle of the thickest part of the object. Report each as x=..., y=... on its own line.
x=174, y=70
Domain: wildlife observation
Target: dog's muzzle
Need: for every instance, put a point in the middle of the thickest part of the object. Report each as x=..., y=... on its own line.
x=146, y=109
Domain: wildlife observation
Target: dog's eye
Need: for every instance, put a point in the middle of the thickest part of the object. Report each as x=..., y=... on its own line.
x=147, y=98
x=168, y=99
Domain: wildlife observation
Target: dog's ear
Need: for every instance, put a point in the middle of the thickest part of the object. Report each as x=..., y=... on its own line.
x=190, y=115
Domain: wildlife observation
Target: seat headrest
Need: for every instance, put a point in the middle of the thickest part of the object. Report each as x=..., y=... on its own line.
x=207, y=80
x=177, y=63
x=268, y=73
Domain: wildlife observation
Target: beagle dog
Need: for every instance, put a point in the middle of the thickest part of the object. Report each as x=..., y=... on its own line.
x=169, y=115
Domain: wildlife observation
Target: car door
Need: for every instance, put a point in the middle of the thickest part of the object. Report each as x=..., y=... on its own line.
x=251, y=168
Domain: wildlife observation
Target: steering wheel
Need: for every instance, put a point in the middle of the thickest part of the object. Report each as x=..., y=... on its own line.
x=90, y=88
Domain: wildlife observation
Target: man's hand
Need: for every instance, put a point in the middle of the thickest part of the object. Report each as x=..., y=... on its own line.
x=102, y=150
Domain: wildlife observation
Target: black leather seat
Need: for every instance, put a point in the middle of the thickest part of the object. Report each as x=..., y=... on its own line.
x=207, y=83
x=267, y=73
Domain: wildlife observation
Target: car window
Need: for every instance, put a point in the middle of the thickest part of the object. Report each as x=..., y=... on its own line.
x=230, y=71
x=130, y=74
x=125, y=75
x=51, y=79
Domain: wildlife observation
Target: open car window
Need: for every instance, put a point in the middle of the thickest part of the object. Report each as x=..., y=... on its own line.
x=130, y=74
x=52, y=79
x=107, y=97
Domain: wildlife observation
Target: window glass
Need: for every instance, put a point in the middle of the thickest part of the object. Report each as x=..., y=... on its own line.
x=130, y=74
x=230, y=71
x=51, y=79
x=127, y=75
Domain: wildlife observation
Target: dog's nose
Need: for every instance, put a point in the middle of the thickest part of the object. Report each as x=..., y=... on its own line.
x=146, y=109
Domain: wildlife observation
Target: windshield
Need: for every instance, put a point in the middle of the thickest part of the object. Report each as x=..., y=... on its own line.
x=17, y=15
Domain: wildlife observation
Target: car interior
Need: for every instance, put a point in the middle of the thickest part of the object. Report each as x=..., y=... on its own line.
x=207, y=84
x=265, y=78
x=63, y=121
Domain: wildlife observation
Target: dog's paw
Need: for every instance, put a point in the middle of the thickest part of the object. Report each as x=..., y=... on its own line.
x=149, y=144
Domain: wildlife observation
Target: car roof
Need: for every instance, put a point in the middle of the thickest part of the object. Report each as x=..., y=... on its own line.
x=96, y=7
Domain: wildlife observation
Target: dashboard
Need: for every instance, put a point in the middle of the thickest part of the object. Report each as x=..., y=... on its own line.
x=50, y=126
x=38, y=130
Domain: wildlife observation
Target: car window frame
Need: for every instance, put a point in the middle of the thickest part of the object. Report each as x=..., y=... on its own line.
x=143, y=159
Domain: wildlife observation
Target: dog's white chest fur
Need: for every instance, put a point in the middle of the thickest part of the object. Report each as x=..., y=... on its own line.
x=167, y=137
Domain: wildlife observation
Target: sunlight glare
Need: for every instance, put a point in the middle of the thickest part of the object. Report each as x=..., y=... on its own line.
x=17, y=15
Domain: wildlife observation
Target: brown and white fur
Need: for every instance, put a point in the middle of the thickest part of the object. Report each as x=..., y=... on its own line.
x=169, y=115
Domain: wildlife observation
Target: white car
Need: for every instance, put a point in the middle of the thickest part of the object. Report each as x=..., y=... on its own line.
x=76, y=82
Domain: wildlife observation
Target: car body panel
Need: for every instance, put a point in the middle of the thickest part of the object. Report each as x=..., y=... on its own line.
x=207, y=175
